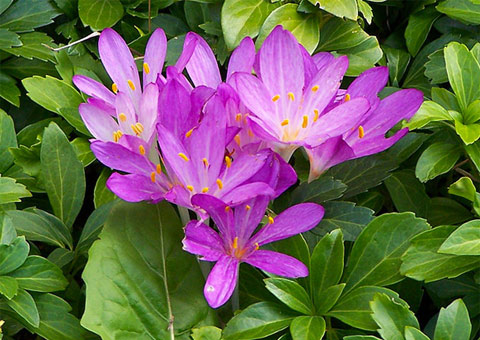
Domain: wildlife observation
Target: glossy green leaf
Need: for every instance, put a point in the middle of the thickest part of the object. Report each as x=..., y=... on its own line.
x=82, y=150
x=375, y=256
x=447, y=211
x=25, y=306
x=257, y=321
x=13, y=255
x=61, y=257
x=102, y=194
x=10, y=191
x=464, y=187
x=469, y=133
x=8, y=89
x=397, y=62
x=366, y=10
x=412, y=333
x=291, y=294
x=339, y=8
x=9, y=39
x=453, y=322
x=419, y=25
x=437, y=159
x=8, y=287
x=25, y=15
x=422, y=261
x=323, y=189
x=435, y=68
x=93, y=227
x=463, y=241
x=244, y=18
x=473, y=151
x=206, y=333
x=7, y=231
x=33, y=46
x=391, y=317
x=472, y=114
x=99, y=14
x=429, y=112
x=361, y=337
x=63, y=174
x=445, y=98
x=148, y=275
x=328, y=298
x=8, y=139
x=307, y=328
x=463, y=10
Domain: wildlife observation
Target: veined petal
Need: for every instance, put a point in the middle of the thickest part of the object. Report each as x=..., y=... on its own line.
x=221, y=281
x=202, y=66
x=369, y=84
x=202, y=240
x=125, y=112
x=135, y=188
x=242, y=58
x=154, y=56
x=248, y=216
x=199, y=97
x=308, y=64
x=292, y=221
x=322, y=59
x=93, y=88
x=148, y=111
x=174, y=108
x=98, y=122
x=246, y=192
x=189, y=45
x=277, y=263
x=377, y=143
x=180, y=196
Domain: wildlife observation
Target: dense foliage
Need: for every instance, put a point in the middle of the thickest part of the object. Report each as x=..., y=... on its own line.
x=395, y=257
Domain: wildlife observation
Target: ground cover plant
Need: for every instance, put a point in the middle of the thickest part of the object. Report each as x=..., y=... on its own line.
x=256, y=169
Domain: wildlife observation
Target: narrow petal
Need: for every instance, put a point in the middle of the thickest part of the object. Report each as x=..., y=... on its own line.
x=180, y=196
x=246, y=192
x=309, y=65
x=202, y=66
x=174, y=108
x=125, y=107
x=154, y=56
x=248, y=216
x=134, y=188
x=202, y=240
x=377, y=143
x=221, y=281
x=94, y=88
x=189, y=45
x=295, y=220
x=277, y=263
x=242, y=58
x=322, y=59
x=98, y=122
x=148, y=111
x=369, y=84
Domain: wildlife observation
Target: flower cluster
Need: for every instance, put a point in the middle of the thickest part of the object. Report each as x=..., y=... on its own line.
x=221, y=148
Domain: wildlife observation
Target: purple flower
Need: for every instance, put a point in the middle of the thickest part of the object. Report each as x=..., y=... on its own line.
x=234, y=242
x=290, y=96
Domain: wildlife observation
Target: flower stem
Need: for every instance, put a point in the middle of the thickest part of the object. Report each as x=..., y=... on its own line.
x=184, y=215
x=236, y=297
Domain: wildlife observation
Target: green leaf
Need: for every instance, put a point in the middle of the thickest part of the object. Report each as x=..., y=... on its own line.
x=366, y=10
x=328, y=298
x=447, y=211
x=8, y=89
x=39, y=275
x=92, y=228
x=419, y=25
x=148, y=275
x=429, y=112
x=435, y=68
x=257, y=321
x=323, y=189
x=361, y=337
x=61, y=257
x=291, y=294
x=445, y=98
x=9, y=39
x=463, y=10
x=304, y=27
x=339, y=8
x=10, y=191
x=353, y=308
x=13, y=255
x=63, y=174
x=463, y=73
x=464, y=187
x=412, y=333
x=463, y=241
x=25, y=306
x=33, y=47
x=375, y=256
x=407, y=193
x=206, y=333
x=25, y=15
x=244, y=18
x=326, y=265
x=8, y=139
x=307, y=328
x=7, y=231
x=469, y=133
x=422, y=261
x=397, y=62
x=473, y=151
x=437, y=159
x=99, y=14
x=8, y=287
x=391, y=317
x=101, y=194
x=472, y=114
x=82, y=149
x=453, y=322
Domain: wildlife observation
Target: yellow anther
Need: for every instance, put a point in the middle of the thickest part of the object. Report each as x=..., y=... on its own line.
x=227, y=208
x=361, y=132
x=238, y=117
x=285, y=122
x=141, y=149
x=315, y=88
x=146, y=68
x=130, y=83
x=305, y=121
x=257, y=246
x=250, y=132
x=219, y=183
x=117, y=135
x=270, y=220
x=237, y=139
x=228, y=161
x=114, y=88
x=159, y=169
x=316, y=114
x=291, y=96
x=189, y=133
x=205, y=190
x=275, y=98
x=183, y=156
x=122, y=117
x=189, y=187
x=235, y=243
x=139, y=127
x=247, y=207
x=152, y=176
x=205, y=162
x=347, y=97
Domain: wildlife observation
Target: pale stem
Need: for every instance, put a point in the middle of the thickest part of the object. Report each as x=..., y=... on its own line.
x=92, y=35
x=236, y=296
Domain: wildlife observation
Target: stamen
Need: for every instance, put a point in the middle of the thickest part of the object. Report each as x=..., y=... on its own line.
x=159, y=169
x=117, y=135
x=146, y=68
x=361, y=132
x=139, y=127
x=183, y=156
x=141, y=149
x=347, y=97
x=189, y=187
x=205, y=162
x=189, y=133
x=285, y=122
x=228, y=161
x=315, y=117
x=238, y=117
x=114, y=88
x=247, y=207
x=152, y=177
x=291, y=96
x=227, y=208
x=205, y=190
x=237, y=139
x=315, y=88
x=220, y=184
x=250, y=133
x=130, y=83
x=235, y=243
x=257, y=246
x=270, y=220
x=122, y=117
x=135, y=129
x=275, y=98
x=305, y=121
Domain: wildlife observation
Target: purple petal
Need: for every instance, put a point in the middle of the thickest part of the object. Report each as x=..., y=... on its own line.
x=322, y=59
x=247, y=220
x=180, y=196
x=199, y=96
x=246, y=192
x=98, y=122
x=124, y=105
x=148, y=111
x=295, y=220
x=189, y=45
x=243, y=168
x=277, y=263
x=202, y=240
x=94, y=88
x=377, y=143
x=134, y=188
x=174, y=108
x=242, y=58
x=308, y=65
x=154, y=56
x=202, y=66
x=369, y=84
x=219, y=212
x=221, y=281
